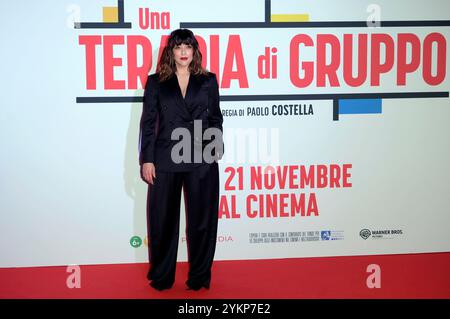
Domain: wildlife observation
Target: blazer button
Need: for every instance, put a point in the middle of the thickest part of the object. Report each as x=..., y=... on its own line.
x=191, y=122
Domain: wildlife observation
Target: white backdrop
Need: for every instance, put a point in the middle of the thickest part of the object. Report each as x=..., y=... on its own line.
x=70, y=187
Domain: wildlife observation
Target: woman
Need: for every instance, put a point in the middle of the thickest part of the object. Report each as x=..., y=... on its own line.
x=181, y=109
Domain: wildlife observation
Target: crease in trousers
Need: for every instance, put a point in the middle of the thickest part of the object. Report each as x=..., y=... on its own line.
x=201, y=194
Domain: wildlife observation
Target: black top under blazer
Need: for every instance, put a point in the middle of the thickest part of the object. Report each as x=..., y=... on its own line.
x=165, y=109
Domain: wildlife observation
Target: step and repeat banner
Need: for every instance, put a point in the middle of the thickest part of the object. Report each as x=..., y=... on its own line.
x=336, y=126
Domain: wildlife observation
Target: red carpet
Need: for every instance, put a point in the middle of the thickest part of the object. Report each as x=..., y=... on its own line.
x=402, y=276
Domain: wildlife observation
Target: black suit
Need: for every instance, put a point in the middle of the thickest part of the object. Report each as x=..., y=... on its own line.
x=164, y=110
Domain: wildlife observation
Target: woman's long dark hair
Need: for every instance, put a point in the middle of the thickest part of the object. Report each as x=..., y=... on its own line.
x=166, y=66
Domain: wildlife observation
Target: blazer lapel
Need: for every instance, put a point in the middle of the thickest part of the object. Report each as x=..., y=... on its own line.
x=179, y=101
x=191, y=91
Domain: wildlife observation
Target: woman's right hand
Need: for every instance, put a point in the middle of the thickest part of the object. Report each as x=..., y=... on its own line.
x=148, y=172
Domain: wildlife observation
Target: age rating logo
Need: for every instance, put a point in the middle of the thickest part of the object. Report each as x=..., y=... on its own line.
x=135, y=241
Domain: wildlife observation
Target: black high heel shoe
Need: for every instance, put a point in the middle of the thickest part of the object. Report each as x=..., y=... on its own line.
x=193, y=286
x=159, y=286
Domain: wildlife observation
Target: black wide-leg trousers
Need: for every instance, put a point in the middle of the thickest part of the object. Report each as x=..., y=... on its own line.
x=201, y=194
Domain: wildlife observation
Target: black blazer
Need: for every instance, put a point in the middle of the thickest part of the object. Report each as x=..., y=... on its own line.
x=165, y=109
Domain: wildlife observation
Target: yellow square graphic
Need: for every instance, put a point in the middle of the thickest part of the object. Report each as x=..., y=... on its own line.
x=110, y=14
x=303, y=17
